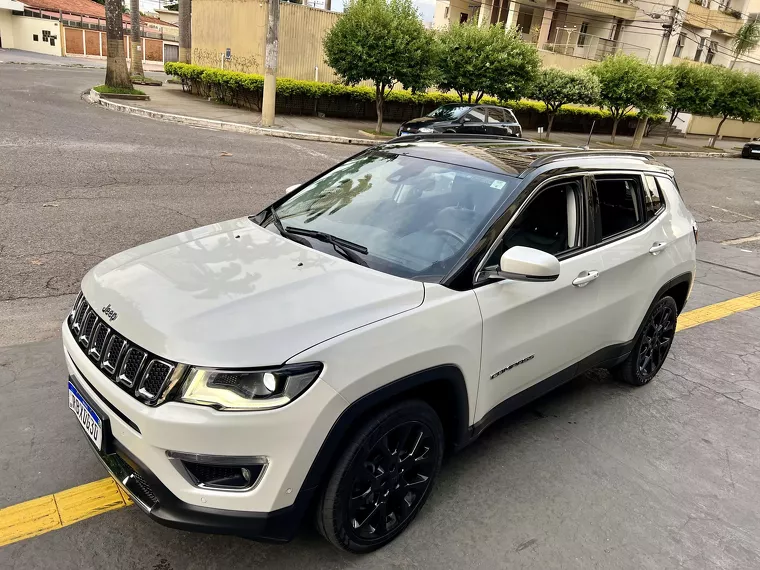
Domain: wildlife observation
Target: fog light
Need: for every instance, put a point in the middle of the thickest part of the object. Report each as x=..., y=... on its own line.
x=218, y=471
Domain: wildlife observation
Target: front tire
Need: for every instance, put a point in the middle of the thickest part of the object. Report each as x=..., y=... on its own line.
x=383, y=478
x=653, y=345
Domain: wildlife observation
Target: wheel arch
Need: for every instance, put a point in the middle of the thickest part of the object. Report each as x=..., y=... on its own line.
x=442, y=387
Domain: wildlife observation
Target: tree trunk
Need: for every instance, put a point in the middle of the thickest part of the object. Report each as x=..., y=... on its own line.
x=270, y=64
x=549, y=124
x=379, y=101
x=733, y=62
x=185, y=28
x=641, y=127
x=717, y=133
x=136, y=41
x=117, y=74
x=615, y=122
x=673, y=118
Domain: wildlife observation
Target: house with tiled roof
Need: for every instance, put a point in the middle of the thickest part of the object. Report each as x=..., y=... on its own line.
x=77, y=28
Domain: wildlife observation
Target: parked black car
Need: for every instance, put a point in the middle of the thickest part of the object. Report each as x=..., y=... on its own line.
x=751, y=149
x=467, y=119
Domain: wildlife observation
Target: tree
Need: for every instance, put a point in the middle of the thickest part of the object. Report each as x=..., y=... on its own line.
x=488, y=60
x=655, y=89
x=694, y=88
x=737, y=97
x=117, y=74
x=624, y=81
x=746, y=39
x=556, y=87
x=136, y=39
x=383, y=42
x=185, y=28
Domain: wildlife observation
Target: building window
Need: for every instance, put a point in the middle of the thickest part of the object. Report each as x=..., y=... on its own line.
x=463, y=17
x=45, y=35
x=680, y=43
x=446, y=12
x=583, y=36
x=701, y=47
x=711, y=52
x=35, y=37
x=524, y=19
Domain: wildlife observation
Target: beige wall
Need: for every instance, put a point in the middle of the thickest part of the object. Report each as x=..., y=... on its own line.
x=6, y=29
x=241, y=26
x=24, y=29
x=551, y=59
x=731, y=128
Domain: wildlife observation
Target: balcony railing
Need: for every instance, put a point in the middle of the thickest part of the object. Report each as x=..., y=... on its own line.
x=712, y=19
x=616, y=8
x=586, y=46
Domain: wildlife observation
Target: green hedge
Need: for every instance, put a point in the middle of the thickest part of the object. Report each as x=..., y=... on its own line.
x=227, y=84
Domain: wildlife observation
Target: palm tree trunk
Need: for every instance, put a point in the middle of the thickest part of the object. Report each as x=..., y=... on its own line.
x=136, y=40
x=733, y=62
x=117, y=74
x=185, y=29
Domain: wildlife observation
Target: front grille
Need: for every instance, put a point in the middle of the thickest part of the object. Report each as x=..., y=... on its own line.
x=134, y=369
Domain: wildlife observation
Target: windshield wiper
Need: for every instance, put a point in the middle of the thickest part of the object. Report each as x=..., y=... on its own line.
x=283, y=232
x=343, y=246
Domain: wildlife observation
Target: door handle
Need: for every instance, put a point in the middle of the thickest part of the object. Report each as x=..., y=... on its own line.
x=657, y=247
x=585, y=278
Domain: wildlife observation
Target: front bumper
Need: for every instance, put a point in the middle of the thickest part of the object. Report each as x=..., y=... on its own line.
x=138, y=437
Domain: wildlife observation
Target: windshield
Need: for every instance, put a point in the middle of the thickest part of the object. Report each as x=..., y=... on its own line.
x=415, y=217
x=449, y=112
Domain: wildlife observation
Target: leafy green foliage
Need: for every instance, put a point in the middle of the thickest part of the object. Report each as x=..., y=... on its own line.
x=746, y=39
x=219, y=81
x=737, y=97
x=556, y=87
x=626, y=83
x=382, y=41
x=694, y=87
x=476, y=61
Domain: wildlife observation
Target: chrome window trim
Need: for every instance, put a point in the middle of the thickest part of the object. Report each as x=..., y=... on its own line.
x=144, y=393
x=123, y=379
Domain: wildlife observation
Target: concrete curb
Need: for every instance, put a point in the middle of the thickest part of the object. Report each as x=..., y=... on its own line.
x=94, y=97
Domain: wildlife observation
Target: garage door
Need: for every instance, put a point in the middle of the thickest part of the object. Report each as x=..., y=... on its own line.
x=171, y=52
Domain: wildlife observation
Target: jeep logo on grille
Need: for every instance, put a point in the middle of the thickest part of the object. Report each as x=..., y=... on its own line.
x=109, y=312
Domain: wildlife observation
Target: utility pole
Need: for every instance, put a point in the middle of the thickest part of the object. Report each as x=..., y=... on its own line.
x=668, y=28
x=270, y=65
x=185, y=31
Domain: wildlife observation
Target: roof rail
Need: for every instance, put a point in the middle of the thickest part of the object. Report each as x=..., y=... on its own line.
x=581, y=153
x=454, y=137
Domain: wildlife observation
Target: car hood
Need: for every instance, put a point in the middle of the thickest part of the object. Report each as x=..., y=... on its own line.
x=237, y=295
x=424, y=122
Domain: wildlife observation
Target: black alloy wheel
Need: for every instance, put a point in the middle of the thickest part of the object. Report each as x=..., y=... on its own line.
x=652, y=347
x=383, y=478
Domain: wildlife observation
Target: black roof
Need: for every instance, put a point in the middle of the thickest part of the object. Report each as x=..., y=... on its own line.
x=513, y=156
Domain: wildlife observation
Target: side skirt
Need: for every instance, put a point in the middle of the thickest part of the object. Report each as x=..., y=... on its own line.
x=604, y=358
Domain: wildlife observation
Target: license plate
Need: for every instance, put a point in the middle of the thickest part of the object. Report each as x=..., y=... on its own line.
x=92, y=424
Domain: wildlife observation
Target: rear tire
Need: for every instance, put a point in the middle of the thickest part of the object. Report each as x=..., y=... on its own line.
x=383, y=478
x=653, y=345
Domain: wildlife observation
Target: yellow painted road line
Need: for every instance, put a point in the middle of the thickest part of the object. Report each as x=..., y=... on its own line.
x=718, y=311
x=52, y=512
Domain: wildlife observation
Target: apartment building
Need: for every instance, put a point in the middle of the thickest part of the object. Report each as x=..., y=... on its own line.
x=571, y=32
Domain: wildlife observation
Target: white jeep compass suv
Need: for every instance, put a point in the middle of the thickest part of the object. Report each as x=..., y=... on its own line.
x=321, y=356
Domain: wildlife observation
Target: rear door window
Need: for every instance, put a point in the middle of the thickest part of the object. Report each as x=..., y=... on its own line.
x=477, y=115
x=620, y=204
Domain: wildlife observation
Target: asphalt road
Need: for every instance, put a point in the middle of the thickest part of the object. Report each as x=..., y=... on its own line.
x=596, y=475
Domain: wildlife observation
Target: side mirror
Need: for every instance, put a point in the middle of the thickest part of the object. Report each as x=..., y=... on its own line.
x=289, y=189
x=526, y=264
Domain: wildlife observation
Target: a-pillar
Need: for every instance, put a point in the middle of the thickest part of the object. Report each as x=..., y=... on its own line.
x=484, y=17
x=546, y=22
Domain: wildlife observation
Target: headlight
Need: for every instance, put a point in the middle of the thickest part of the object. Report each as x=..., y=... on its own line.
x=248, y=389
x=426, y=130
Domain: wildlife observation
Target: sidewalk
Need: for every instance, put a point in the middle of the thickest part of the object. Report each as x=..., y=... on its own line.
x=171, y=99
x=30, y=57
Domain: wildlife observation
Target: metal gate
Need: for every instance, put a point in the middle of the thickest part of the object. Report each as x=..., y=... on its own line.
x=171, y=52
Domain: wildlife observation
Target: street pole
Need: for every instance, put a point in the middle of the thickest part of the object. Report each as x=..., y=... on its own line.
x=270, y=65
x=185, y=31
x=666, y=33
